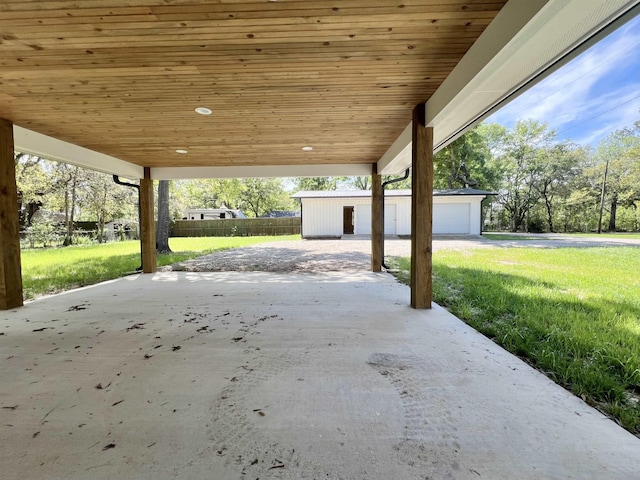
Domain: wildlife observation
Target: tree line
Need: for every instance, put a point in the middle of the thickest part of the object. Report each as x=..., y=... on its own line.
x=543, y=184
x=53, y=197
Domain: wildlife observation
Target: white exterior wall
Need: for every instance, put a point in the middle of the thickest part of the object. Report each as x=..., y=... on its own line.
x=323, y=216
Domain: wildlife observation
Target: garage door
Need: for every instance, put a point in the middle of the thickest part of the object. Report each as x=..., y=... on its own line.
x=363, y=219
x=452, y=218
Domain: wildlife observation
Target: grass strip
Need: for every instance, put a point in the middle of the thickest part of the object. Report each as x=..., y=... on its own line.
x=46, y=271
x=533, y=236
x=572, y=313
x=502, y=236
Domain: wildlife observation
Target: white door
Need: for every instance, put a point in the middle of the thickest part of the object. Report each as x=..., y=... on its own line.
x=363, y=220
x=451, y=218
x=390, y=219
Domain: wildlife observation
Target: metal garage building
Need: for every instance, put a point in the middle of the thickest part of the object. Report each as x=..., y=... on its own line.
x=337, y=213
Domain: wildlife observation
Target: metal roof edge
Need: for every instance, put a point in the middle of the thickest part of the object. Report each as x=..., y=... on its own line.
x=394, y=193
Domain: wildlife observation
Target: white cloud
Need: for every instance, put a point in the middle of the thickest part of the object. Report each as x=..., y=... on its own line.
x=626, y=112
x=571, y=100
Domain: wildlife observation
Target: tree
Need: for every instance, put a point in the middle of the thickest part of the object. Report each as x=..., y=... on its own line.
x=521, y=153
x=255, y=196
x=359, y=183
x=318, y=183
x=104, y=201
x=617, y=156
x=164, y=220
x=44, y=230
x=261, y=195
x=207, y=193
x=70, y=196
x=558, y=166
x=34, y=185
x=466, y=162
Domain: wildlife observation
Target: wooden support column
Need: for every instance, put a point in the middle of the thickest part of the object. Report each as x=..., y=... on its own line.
x=147, y=224
x=421, y=210
x=10, y=267
x=377, y=229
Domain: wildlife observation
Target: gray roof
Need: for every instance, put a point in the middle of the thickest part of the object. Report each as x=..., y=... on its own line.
x=388, y=193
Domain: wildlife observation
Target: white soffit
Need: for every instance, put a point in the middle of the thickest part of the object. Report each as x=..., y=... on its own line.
x=526, y=42
x=28, y=141
x=262, y=171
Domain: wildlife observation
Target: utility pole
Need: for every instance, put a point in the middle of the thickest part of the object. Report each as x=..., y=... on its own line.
x=604, y=187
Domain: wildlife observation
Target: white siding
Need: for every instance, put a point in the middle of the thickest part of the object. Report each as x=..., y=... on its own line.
x=321, y=218
x=451, y=215
x=403, y=215
x=390, y=218
x=363, y=219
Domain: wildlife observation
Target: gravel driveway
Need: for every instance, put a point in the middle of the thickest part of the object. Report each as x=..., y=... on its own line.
x=289, y=256
x=354, y=253
x=351, y=253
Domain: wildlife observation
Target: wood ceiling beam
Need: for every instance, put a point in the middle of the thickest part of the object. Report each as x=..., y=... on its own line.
x=262, y=171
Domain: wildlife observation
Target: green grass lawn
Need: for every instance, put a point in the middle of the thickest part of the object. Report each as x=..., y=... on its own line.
x=572, y=313
x=53, y=270
x=605, y=235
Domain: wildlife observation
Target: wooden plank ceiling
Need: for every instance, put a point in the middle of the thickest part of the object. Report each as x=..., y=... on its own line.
x=124, y=77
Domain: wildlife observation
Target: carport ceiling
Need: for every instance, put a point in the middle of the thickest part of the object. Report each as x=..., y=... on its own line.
x=124, y=77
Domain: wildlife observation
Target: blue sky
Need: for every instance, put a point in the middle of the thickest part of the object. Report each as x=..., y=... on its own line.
x=595, y=94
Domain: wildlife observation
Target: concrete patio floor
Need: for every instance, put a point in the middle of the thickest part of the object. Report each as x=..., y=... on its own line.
x=234, y=375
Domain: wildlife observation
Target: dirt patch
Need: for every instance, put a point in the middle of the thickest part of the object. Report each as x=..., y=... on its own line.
x=293, y=256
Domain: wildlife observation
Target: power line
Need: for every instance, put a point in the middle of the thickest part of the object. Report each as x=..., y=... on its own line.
x=598, y=115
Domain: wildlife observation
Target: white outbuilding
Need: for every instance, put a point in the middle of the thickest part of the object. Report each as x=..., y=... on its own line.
x=337, y=213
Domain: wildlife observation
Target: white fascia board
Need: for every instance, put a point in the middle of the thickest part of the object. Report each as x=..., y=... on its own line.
x=398, y=157
x=526, y=42
x=33, y=143
x=494, y=51
x=262, y=171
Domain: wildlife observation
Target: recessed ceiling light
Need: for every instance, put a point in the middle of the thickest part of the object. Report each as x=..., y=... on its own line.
x=204, y=111
x=182, y=151
x=307, y=149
